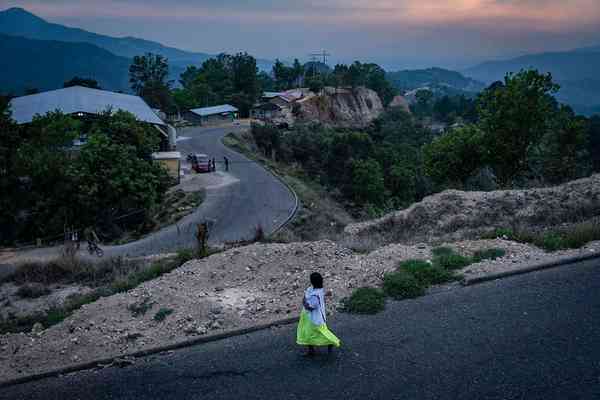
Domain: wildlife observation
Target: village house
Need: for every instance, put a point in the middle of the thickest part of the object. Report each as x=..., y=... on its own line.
x=275, y=105
x=85, y=103
x=212, y=115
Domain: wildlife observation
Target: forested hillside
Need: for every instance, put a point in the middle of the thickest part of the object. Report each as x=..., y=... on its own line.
x=576, y=72
x=44, y=65
x=436, y=77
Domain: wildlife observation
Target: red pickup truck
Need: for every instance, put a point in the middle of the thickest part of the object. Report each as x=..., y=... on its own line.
x=200, y=162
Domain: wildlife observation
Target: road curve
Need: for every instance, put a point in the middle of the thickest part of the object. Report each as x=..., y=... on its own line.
x=233, y=211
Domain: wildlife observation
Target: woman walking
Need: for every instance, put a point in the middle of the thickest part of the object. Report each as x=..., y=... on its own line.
x=312, y=328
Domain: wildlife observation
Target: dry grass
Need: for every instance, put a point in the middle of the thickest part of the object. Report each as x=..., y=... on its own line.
x=568, y=237
x=108, y=277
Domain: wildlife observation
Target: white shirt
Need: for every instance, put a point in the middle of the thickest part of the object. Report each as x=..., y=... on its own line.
x=316, y=300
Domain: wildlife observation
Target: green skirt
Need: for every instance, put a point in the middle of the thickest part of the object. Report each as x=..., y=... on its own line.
x=309, y=334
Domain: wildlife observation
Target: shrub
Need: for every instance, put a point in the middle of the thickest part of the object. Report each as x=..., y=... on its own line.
x=488, y=254
x=552, y=241
x=402, y=285
x=39, y=272
x=442, y=251
x=453, y=261
x=498, y=233
x=426, y=273
x=365, y=300
x=32, y=291
x=581, y=234
x=162, y=314
x=55, y=316
x=183, y=256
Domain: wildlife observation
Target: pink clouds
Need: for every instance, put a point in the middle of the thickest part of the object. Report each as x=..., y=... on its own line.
x=549, y=14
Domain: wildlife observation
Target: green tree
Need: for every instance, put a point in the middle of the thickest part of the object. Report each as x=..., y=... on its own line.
x=187, y=77
x=112, y=181
x=315, y=84
x=594, y=141
x=356, y=76
x=267, y=138
x=9, y=178
x=451, y=158
x=423, y=106
x=514, y=116
x=148, y=78
x=563, y=149
x=265, y=82
x=339, y=76
x=122, y=128
x=223, y=79
x=367, y=182
x=282, y=74
x=402, y=181
x=42, y=160
x=375, y=80
x=297, y=73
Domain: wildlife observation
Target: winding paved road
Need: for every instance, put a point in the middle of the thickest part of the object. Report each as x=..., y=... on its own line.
x=534, y=336
x=234, y=211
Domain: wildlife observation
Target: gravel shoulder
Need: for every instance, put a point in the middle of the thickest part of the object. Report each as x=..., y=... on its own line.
x=238, y=288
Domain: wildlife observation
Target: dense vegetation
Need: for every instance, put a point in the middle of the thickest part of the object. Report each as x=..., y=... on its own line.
x=236, y=80
x=513, y=135
x=376, y=168
x=232, y=79
x=46, y=186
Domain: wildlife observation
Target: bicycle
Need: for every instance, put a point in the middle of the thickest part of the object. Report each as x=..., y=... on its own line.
x=93, y=248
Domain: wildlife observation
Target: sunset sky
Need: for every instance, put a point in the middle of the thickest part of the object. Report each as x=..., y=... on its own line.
x=394, y=33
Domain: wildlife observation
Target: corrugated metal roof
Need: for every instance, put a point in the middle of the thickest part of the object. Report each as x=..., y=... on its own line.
x=80, y=99
x=166, y=155
x=270, y=95
x=206, y=111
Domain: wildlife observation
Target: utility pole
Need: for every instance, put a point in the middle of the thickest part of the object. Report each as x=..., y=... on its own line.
x=324, y=54
x=314, y=57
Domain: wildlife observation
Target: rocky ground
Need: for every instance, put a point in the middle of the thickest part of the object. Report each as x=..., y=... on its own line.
x=340, y=107
x=237, y=288
x=454, y=215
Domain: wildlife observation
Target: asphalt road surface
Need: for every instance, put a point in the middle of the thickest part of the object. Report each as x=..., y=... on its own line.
x=533, y=336
x=233, y=211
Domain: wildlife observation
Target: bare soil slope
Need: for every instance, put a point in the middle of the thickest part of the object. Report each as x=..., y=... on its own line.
x=341, y=107
x=455, y=215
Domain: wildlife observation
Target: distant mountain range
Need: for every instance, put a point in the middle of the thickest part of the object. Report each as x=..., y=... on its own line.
x=577, y=71
x=44, y=65
x=18, y=22
x=439, y=80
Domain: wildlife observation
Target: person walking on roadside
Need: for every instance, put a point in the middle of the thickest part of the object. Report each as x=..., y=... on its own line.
x=312, y=329
x=226, y=161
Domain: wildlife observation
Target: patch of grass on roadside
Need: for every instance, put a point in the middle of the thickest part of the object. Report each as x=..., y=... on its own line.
x=365, y=300
x=571, y=237
x=442, y=251
x=426, y=273
x=452, y=261
x=162, y=314
x=108, y=277
x=488, y=254
x=402, y=285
